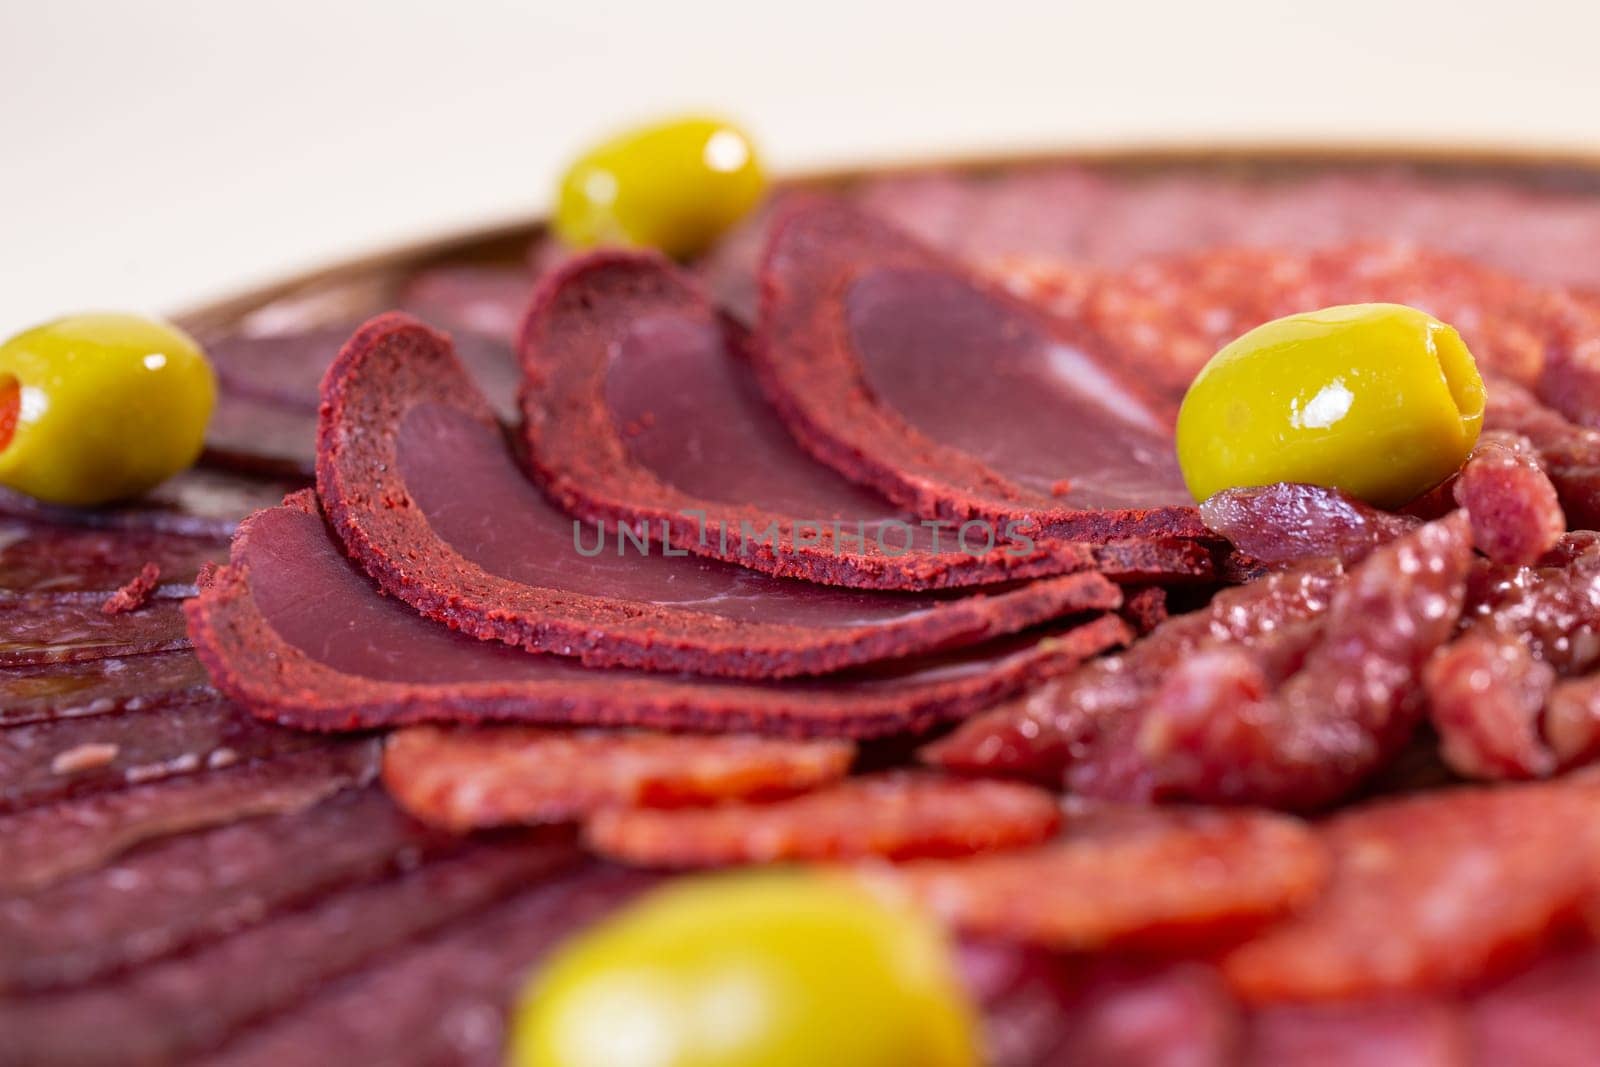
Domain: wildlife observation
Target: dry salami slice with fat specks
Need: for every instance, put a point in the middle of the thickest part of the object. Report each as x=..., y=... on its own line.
x=42, y=558
x=1167, y=879
x=416, y=478
x=896, y=816
x=1438, y=890
x=40, y=628
x=101, y=686
x=194, y=503
x=639, y=405
x=492, y=776
x=292, y=631
x=903, y=371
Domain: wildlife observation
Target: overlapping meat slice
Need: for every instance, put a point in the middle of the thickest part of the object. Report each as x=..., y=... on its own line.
x=640, y=406
x=899, y=815
x=42, y=628
x=1157, y=878
x=952, y=398
x=292, y=631
x=1292, y=716
x=1439, y=890
x=417, y=480
x=45, y=844
x=490, y=776
x=100, y=686
x=38, y=557
x=197, y=502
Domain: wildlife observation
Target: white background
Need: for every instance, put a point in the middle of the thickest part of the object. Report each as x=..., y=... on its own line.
x=154, y=154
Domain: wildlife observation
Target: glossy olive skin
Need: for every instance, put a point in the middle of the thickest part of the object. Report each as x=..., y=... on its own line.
x=102, y=407
x=1380, y=400
x=762, y=969
x=674, y=186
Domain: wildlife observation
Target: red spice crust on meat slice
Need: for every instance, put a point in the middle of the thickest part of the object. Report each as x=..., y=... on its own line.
x=586, y=328
x=897, y=815
x=501, y=775
x=136, y=593
x=253, y=664
x=1166, y=878
x=805, y=360
x=1439, y=890
x=395, y=366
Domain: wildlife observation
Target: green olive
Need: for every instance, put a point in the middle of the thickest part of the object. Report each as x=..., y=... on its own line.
x=1380, y=400
x=95, y=408
x=675, y=186
x=751, y=969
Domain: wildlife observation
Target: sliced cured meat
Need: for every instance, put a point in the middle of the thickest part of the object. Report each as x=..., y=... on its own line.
x=416, y=478
x=1022, y=994
x=1516, y=517
x=100, y=686
x=639, y=405
x=895, y=816
x=50, y=761
x=1289, y=522
x=194, y=503
x=1544, y=1016
x=1038, y=735
x=478, y=299
x=181, y=891
x=491, y=776
x=46, y=844
x=1571, y=453
x=1386, y=1033
x=444, y=999
x=1486, y=697
x=69, y=627
x=1162, y=879
x=954, y=399
x=262, y=437
x=292, y=631
x=170, y=1010
x=1433, y=891
x=1178, y=1015
x=36, y=557
x=1299, y=719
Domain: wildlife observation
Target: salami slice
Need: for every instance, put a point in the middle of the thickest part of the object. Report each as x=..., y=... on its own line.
x=955, y=400
x=895, y=816
x=41, y=558
x=43, y=845
x=1544, y=1015
x=639, y=405
x=100, y=686
x=190, y=889
x=1159, y=878
x=69, y=627
x=262, y=437
x=416, y=479
x=491, y=776
x=49, y=761
x=486, y=300
x=195, y=503
x=349, y=658
x=1417, y=1032
x=1434, y=891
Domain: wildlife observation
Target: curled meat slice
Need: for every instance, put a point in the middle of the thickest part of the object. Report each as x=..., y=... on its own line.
x=897, y=816
x=1486, y=694
x=1038, y=735
x=489, y=776
x=1516, y=516
x=1290, y=521
x=1571, y=453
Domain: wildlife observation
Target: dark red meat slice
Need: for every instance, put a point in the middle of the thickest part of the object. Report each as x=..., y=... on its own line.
x=1397, y=1033
x=135, y=593
x=482, y=300
x=292, y=631
x=195, y=503
x=35, y=557
x=902, y=371
x=1486, y=697
x=444, y=999
x=69, y=627
x=1160, y=879
x=1433, y=891
x=46, y=844
x=1129, y=1016
x=1516, y=517
x=262, y=437
x=170, y=1010
x=1038, y=735
x=1545, y=1016
x=417, y=481
x=279, y=368
x=491, y=776
x=639, y=405
x=897, y=816
x=100, y=686
x=181, y=891
x=1289, y=522
x=1571, y=453
x=50, y=761
x=1297, y=720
